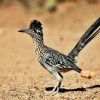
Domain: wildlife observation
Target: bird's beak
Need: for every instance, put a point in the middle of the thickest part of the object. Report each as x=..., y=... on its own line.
x=24, y=30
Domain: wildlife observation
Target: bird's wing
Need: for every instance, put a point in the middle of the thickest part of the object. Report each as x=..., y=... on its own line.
x=60, y=60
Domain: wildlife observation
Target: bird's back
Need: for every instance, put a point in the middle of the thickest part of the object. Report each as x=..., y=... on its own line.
x=61, y=61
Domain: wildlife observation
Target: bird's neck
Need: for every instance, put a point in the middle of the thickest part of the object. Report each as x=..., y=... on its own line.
x=39, y=47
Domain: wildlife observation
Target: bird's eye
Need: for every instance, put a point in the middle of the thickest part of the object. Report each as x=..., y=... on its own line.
x=38, y=32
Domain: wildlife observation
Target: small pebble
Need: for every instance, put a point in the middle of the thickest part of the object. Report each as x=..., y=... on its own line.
x=88, y=74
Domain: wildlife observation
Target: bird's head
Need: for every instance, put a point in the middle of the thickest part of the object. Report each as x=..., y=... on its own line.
x=34, y=30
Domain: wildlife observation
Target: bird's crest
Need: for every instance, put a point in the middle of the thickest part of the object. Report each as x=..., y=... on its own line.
x=36, y=25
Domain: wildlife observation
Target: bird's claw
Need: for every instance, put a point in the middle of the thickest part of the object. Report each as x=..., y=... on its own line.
x=55, y=90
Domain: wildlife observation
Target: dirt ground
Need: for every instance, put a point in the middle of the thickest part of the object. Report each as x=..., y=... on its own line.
x=23, y=78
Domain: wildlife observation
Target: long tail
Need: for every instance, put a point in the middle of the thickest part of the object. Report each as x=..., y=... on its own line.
x=93, y=30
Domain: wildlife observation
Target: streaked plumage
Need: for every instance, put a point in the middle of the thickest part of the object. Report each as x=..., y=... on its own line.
x=54, y=61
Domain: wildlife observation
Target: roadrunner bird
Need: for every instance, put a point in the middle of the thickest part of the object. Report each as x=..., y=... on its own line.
x=54, y=61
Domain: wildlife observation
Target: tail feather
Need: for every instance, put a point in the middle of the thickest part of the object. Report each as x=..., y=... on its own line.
x=76, y=68
x=93, y=30
x=92, y=36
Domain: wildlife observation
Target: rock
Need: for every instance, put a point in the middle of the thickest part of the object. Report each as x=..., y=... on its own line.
x=88, y=74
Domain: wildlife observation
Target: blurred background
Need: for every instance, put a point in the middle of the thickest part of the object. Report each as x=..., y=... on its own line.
x=20, y=12
x=64, y=22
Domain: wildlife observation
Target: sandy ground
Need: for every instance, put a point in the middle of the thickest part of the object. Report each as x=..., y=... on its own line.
x=22, y=77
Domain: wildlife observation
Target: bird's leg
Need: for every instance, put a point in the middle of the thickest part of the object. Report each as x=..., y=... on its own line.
x=59, y=78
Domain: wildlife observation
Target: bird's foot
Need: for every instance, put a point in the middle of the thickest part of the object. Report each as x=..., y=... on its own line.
x=55, y=90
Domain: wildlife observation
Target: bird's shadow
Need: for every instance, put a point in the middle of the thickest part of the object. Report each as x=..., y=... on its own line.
x=63, y=90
